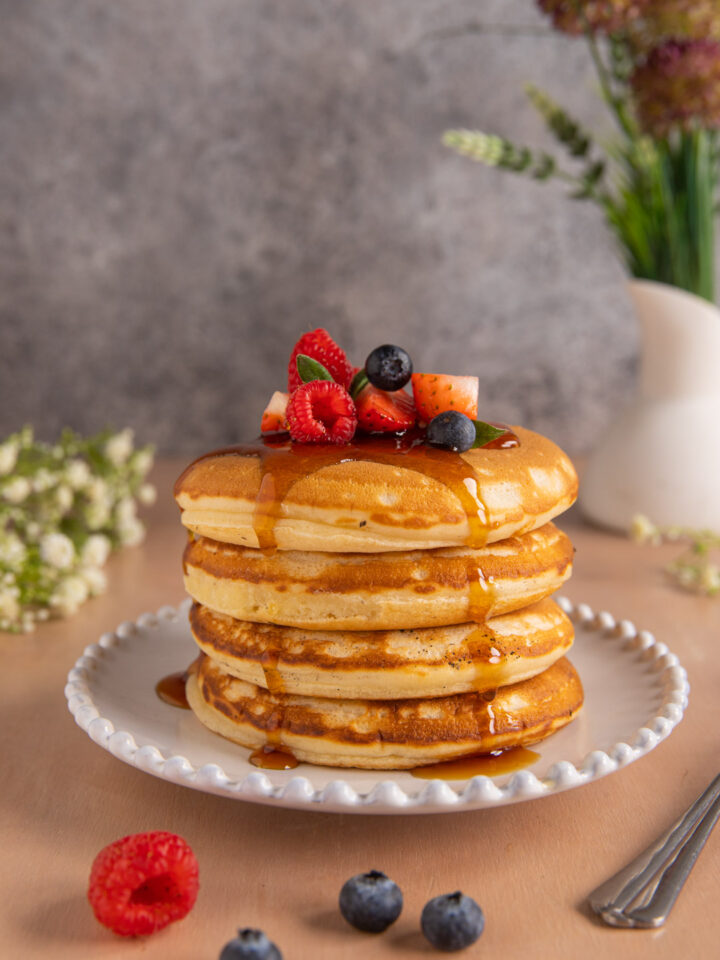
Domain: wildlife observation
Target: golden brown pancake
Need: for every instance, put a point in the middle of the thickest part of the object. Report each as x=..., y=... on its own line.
x=375, y=495
x=384, y=734
x=387, y=664
x=386, y=591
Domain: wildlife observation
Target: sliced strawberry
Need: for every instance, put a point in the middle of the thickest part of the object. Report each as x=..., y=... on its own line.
x=384, y=411
x=320, y=346
x=273, y=419
x=321, y=412
x=435, y=393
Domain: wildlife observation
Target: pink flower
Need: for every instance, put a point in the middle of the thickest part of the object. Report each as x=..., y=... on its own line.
x=682, y=19
x=678, y=87
x=603, y=16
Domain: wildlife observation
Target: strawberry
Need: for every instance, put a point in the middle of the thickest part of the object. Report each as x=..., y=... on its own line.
x=320, y=346
x=321, y=412
x=382, y=411
x=435, y=393
x=273, y=418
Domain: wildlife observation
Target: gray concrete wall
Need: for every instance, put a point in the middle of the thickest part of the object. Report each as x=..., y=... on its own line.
x=188, y=184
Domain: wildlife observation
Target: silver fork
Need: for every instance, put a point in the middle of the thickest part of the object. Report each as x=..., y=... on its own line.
x=643, y=893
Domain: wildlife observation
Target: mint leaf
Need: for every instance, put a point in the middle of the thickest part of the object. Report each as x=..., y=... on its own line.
x=485, y=432
x=359, y=382
x=310, y=369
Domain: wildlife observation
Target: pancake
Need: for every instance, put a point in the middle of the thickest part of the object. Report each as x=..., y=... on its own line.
x=384, y=734
x=346, y=591
x=374, y=494
x=387, y=665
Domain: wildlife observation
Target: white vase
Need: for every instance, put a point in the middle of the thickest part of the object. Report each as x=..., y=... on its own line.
x=661, y=457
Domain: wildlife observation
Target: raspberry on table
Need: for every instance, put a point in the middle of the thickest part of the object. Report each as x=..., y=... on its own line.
x=321, y=412
x=320, y=346
x=141, y=883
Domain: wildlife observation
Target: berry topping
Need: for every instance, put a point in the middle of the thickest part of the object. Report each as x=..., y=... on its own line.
x=320, y=346
x=140, y=884
x=321, y=412
x=435, y=393
x=452, y=921
x=273, y=418
x=250, y=945
x=371, y=901
x=451, y=431
x=380, y=411
x=388, y=367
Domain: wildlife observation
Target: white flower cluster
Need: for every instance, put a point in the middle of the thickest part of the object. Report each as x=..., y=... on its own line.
x=63, y=509
x=695, y=569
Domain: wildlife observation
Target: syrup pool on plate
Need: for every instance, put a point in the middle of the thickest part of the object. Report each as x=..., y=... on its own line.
x=487, y=764
x=171, y=689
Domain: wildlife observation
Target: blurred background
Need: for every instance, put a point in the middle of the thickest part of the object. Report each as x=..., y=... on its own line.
x=186, y=187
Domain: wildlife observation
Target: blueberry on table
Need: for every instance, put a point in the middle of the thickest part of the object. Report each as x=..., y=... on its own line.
x=388, y=367
x=250, y=945
x=452, y=921
x=371, y=901
x=451, y=430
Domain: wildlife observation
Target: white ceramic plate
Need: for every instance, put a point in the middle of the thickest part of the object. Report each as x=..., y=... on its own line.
x=635, y=693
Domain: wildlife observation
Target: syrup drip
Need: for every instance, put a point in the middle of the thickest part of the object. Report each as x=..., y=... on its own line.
x=171, y=689
x=482, y=595
x=273, y=679
x=489, y=765
x=283, y=463
x=273, y=758
x=505, y=441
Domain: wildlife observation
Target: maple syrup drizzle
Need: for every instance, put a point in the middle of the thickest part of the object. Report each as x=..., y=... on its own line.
x=482, y=595
x=171, y=689
x=488, y=764
x=273, y=678
x=283, y=463
x=273, y=758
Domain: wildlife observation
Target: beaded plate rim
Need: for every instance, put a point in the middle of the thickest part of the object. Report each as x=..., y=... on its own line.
x=386, y=796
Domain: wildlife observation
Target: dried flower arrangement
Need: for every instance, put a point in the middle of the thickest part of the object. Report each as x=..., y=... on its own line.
x=658, y=66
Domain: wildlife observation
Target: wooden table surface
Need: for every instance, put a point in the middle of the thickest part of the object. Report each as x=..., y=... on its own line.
x=529, y=865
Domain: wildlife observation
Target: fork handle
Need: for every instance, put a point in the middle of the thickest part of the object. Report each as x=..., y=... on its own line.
x=611, y=898
x=654, y=913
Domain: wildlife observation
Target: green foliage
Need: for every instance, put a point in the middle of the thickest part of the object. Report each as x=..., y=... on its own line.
x=486, y=432
x=696, y=568
x=310, y=369
x=658, y=195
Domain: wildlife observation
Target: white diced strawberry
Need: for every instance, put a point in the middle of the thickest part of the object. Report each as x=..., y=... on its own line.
x=273, y=419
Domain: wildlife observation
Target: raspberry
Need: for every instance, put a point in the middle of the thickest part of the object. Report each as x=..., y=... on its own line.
x=143, y=882
x=319, y=345
x=321, y=412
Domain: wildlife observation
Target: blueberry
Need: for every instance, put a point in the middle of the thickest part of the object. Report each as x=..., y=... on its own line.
x=250, y=945
x=371, y=901
x=452, y=921
x=451, y=430
x=388, y=367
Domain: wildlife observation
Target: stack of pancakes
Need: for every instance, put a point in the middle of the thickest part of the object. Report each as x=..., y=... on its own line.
x=381, y=604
